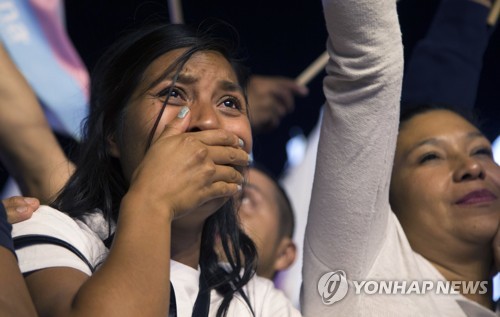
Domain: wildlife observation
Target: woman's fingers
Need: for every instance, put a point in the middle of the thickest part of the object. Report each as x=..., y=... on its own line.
x=218, y=137
x=187, y=170
x=20, y=208
x=225, y=155
x=228, y=175
x=222, y=189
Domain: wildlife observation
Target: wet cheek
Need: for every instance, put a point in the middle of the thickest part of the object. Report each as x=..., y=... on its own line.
x=168, y=115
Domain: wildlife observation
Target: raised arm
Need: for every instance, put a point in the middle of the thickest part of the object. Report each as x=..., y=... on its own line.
x=349, y=206
x=28, y=148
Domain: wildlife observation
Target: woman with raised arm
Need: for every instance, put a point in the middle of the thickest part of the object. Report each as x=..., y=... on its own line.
x=442, y=191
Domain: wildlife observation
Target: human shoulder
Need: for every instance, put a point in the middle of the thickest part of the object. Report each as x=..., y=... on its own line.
x=49, y=221
x=50, y=239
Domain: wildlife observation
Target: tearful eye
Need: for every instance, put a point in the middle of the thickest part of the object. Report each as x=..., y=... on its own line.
x=175, y=93
x=232, y=103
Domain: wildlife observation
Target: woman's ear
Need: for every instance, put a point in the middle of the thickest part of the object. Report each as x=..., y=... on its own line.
x=113, y=148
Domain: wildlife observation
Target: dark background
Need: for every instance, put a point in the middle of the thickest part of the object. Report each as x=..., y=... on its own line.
x=280, y=37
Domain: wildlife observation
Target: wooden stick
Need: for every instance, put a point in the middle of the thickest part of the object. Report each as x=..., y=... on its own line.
x=317, y=66
x=494, y=12
x=175, y=11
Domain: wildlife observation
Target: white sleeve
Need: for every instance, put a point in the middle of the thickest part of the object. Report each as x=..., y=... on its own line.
x=52, y=223
x=350, y=199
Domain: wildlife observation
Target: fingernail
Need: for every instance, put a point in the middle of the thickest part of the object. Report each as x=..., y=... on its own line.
x=21, y=209
x=30, y=201
x=239, y=187
x=184, y=111
x=241, y=142
x=250, y=159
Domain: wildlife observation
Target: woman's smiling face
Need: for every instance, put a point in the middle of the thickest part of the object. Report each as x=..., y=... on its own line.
x=443, y=184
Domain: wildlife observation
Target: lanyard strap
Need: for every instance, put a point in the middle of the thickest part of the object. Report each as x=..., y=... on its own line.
x=172, y=311
x=32, y=239
x=202, y=304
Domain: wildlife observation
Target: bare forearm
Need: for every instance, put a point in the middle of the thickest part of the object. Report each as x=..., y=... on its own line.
x=132, y=281
x=15, y=299
x=139, y=262
x=37, y=163
x=28, y=148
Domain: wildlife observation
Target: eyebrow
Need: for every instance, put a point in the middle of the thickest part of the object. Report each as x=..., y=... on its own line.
x=436, y=141
x=230, y=86
x=188, y=79
x=167, y=75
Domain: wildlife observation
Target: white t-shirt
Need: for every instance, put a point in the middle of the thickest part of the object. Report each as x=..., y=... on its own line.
x=50, y=222
x=264, y=298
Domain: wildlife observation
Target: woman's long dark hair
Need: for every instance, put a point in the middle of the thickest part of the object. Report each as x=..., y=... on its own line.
x=98, y=182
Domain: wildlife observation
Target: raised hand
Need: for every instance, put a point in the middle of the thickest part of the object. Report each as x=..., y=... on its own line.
x=270, y=99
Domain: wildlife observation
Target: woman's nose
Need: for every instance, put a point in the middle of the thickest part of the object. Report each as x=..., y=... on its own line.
x=469, y=168
x=203, y=117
